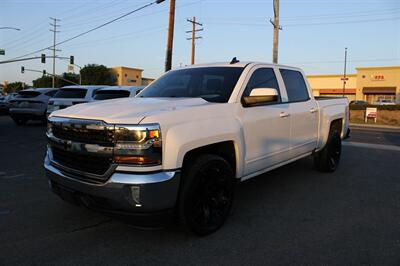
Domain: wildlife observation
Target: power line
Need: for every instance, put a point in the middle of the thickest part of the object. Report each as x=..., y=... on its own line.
x=93, y=29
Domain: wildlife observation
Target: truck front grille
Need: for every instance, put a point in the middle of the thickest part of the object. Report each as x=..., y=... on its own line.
x=83, y=148
x=83, y=134
x=86, y=163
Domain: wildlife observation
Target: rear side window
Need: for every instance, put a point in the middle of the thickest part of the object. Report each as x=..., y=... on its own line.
x=295, y=86
x=71, y=93
x=27, y=94
x=51, y=93
x=111, y=94
x=262, y=78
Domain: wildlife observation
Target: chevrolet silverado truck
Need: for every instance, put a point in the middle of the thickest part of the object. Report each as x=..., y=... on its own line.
x=180, y=147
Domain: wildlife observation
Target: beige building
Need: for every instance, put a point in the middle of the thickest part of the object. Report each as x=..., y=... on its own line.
x=127, y=76
x=369, y=84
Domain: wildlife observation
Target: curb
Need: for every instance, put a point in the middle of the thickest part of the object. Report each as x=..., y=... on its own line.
x=374, y=126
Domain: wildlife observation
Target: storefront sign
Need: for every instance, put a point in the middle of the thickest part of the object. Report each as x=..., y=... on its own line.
x=377, y=77
x=371, y=112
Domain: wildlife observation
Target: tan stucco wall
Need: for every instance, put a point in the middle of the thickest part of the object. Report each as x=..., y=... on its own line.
x=127, y=76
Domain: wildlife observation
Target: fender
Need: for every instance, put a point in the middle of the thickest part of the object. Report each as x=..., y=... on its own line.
x=182, y=138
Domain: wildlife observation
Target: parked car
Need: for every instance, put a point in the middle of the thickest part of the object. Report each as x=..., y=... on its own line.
x=71, y=95
x=385, y=102
x=30, y=104
x=5, y=102
x=182, y=144
x=114, y=92
x=358, y=102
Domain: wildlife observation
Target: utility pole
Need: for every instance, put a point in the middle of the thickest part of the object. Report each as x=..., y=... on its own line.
x=344, y=71
x=277, y=27
x=170, y=37
x=55, y=31
x=193, y=38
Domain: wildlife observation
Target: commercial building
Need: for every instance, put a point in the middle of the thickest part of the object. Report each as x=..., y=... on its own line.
x=369, y=84
x=128, y=76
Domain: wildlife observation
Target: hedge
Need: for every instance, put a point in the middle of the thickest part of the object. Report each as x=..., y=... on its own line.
x=380, y=107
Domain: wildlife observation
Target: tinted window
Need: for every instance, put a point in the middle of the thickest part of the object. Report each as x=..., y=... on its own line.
x=27, y=94
x=51, y=93
x=262, y=78
x=295, y=86
x=213, y=84
x=70, y=93
x=111, y=94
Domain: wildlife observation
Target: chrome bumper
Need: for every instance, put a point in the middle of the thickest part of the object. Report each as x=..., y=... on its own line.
x=123, y=192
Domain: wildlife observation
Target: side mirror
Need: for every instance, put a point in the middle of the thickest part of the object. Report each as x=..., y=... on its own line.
x=260, y=96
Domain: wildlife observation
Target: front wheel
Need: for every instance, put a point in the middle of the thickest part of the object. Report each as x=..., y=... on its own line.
x=207, y=194
x=327, y=160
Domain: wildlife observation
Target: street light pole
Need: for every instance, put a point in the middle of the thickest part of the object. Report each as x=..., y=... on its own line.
x=344, y=71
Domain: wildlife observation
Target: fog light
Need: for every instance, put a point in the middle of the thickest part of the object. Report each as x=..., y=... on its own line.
x=135, y=190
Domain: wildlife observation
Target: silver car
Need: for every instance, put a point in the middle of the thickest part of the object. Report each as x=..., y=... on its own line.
x=114, y=92
x=30, y=104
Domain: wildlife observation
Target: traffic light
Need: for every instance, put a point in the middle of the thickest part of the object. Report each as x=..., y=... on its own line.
x=22, y=69
x=43, y=57
x=71, y=60
x=44, y=72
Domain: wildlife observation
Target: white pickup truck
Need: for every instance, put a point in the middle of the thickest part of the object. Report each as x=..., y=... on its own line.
x=181, y=145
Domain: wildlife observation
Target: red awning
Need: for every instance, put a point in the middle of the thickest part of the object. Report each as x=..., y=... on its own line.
x=337, y=91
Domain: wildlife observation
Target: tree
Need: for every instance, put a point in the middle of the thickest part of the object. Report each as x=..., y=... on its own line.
x=93, y=74
x=46, y=81
x=43, y=82
x=15, y=87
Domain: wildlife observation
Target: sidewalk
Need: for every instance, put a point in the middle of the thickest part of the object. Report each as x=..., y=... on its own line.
x=374, y=126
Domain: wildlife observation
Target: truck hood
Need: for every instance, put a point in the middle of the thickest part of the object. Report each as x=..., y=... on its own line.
x=127, y=110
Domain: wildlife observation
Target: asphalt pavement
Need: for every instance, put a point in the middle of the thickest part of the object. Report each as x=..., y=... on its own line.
x=293, y=215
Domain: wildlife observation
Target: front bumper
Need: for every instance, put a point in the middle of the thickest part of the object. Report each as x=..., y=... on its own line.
x=148, y=197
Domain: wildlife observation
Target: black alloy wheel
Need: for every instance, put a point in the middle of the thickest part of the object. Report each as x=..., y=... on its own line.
x=207, y=195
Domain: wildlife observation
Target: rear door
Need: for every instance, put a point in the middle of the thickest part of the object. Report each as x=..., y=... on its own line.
x=304, y=113
x=266, y=127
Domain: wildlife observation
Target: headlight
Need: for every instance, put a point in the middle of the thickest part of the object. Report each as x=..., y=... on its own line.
x=139, y=145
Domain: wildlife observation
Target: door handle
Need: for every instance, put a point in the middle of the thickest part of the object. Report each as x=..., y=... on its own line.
x=313, y=110
x=284, y=114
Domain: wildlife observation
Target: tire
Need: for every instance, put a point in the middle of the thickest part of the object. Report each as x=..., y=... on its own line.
x=207, y=194
x=327, y=159
x=19, y=121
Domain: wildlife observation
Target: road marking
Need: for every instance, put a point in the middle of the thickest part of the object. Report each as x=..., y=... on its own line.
x=372, y=146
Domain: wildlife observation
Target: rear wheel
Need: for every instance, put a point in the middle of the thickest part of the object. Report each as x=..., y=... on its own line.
x=327, y=160
x=207, y=194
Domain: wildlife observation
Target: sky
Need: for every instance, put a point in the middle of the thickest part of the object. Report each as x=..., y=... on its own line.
x=314, y=34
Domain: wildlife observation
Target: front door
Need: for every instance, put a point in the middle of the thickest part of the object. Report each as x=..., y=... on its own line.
x=267, y=127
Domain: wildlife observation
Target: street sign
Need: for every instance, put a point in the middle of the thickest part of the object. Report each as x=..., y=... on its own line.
x=371, y=112
x=344, y=79
x=70, y=68
x=2, y=52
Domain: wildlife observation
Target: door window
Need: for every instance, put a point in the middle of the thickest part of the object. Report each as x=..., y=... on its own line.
x=295, y=86
x=262, y=78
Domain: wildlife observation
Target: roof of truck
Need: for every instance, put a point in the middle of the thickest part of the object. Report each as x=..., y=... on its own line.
x=237, y=64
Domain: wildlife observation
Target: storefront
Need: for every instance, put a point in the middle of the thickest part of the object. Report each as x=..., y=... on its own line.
x=371, y=84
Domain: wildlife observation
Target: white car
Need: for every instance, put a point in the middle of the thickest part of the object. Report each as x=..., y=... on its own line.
x=71, y=95
x=180, y=147
x=114, y=92
x=385, y=102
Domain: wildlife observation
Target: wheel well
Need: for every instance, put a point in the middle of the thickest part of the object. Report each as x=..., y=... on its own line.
x=224, y=149
x=337, y=124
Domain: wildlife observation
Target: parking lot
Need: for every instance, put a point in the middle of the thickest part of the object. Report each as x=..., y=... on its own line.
x=292, y=215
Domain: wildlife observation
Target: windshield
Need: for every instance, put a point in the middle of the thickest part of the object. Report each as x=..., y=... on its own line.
x=71, y=93
x=110, y=94
x=213, y=84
